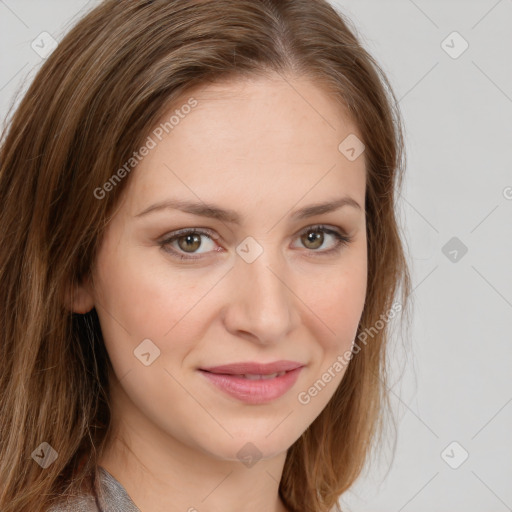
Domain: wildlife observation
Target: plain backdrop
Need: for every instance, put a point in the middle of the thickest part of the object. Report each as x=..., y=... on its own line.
x=450, y=65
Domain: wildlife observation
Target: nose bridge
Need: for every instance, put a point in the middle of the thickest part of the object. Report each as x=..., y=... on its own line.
x=263, y=300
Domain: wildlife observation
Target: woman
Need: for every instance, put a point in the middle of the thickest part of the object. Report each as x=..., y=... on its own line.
x=200, y=257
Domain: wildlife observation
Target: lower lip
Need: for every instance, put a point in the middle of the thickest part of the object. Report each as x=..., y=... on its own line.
x=254, y=391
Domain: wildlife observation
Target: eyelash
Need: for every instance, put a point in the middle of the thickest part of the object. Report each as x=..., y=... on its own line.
x=341, y=240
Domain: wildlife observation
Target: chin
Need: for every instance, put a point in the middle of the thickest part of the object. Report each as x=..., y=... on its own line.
x=248, y=444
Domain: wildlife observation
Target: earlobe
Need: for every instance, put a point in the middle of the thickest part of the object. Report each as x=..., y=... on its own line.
x=79, y=298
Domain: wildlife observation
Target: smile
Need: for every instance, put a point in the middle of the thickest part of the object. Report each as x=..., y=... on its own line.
x=254, y=388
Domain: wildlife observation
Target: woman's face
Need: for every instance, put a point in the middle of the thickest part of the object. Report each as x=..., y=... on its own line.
x=262, y=288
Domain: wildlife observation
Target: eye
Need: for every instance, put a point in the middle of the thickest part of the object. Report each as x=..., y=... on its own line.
x=185, y=243
x=188, y=241
x=314, y=237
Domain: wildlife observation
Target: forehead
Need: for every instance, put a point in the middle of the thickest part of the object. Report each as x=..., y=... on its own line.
x=283, y=111
x=259, y=140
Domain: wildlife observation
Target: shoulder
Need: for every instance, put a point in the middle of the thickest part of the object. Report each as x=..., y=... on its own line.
x=83, y=503
x=82, y=500
x=108, y=493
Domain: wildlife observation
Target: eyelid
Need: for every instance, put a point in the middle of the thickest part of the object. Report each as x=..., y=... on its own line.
x=185, y=231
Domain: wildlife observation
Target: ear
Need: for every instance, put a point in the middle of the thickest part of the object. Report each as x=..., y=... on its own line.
x=79, y=299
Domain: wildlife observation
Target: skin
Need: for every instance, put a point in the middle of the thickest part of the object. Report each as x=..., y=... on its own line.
x=264, y=148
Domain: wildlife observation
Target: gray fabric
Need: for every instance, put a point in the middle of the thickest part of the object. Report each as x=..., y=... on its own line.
x=111, y=496
x=77, y=504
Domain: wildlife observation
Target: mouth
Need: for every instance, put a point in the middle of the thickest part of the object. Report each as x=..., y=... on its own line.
x=254, y=369
x=254, y=383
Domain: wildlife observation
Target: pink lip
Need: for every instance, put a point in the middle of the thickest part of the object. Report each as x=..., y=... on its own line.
x=229, y=378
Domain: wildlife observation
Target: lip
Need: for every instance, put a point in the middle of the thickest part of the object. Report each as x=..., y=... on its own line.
x=230, y=380
x=254, y=368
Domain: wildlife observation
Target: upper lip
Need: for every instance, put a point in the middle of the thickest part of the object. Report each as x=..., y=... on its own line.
x=254, y=368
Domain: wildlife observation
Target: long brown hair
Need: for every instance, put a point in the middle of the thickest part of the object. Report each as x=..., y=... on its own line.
x=91, y=105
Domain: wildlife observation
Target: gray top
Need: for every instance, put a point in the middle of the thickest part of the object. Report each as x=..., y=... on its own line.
x=111, y=496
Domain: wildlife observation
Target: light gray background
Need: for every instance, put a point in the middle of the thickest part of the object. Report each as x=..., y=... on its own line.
x=458, y=122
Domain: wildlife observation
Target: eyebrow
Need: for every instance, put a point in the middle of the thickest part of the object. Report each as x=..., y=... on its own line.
x=230, y=216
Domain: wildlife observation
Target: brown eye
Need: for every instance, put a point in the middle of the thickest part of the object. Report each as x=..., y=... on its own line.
x=189, y=243
x=185, y=243
x=313, y=239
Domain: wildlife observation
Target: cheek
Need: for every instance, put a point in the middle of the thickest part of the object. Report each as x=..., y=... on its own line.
x=337, y=303
x=143, y=300
x=141, y=293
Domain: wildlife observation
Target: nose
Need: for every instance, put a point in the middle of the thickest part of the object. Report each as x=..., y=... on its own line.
x=262, y=304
